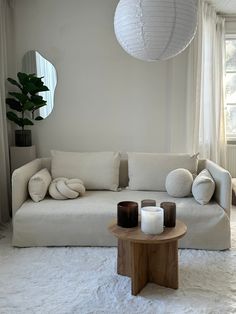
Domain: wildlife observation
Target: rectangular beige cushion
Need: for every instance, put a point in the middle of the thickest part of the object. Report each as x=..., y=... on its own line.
x=97, y=170
x=148, y=171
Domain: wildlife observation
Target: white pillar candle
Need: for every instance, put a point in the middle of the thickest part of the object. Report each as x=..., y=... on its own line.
x=152, y=220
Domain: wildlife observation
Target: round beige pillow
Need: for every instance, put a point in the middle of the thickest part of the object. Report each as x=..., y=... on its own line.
x=179, y=182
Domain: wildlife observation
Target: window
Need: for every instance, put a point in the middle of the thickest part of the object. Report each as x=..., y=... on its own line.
x=230, y=44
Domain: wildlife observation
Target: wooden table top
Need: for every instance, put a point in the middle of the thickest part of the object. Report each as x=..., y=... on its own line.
x=136, y=235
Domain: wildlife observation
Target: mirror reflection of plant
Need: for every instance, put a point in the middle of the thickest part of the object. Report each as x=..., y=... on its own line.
x=26, y=100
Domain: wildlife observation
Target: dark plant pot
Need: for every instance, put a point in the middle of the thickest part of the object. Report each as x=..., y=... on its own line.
x=23, y=138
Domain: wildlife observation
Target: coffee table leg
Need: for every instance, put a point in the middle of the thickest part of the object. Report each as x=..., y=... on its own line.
x=157, y=263
x=123, y=258
x=163, y=264
x=139, y=267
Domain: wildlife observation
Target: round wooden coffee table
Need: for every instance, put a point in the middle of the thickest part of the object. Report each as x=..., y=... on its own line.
x=148, y=258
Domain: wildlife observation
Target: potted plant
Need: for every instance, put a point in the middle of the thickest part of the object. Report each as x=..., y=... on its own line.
x=24, y=104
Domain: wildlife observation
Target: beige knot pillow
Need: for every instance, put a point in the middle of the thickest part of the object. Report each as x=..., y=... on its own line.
x=63, y=188
x=179, y=182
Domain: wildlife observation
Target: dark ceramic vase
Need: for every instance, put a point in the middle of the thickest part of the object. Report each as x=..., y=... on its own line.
x=169, y=214
x=127, y=214
x=23, y=138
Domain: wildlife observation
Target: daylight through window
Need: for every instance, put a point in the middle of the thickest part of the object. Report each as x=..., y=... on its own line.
x=230, y=44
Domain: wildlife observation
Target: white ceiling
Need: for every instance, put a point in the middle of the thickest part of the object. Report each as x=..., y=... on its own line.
x=224, y=6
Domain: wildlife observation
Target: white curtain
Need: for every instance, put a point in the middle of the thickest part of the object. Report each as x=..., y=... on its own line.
x=205, y=102
x=4, y=151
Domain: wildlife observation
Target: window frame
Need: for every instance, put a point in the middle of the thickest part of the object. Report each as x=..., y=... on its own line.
x=231, y=138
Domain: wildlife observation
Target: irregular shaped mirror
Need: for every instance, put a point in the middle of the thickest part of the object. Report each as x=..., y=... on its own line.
x=34, y=62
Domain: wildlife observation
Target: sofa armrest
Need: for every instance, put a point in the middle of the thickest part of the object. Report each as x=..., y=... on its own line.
x=20, y=179
x=222, y=178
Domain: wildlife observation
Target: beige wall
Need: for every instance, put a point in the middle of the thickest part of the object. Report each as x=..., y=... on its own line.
x=105, y=99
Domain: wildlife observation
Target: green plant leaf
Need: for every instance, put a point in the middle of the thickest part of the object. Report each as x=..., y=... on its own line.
x=27, y=122
x=19, y=121
x=40, y=105
x=29, y=87
x=34, y=85
x=21, y=97
x=14, y=82
x=37, y=99
x=39, y=118
x=13, y=117
x=29, y=105
x=38, y=81
x=23, y=78
x=44, y=88
x=14, y=104
x=39, y=84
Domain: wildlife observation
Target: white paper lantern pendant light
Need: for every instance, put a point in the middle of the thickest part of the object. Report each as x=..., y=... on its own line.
x=155, y=29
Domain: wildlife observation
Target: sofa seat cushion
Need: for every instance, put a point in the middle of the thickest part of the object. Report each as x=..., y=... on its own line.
x=83, y=221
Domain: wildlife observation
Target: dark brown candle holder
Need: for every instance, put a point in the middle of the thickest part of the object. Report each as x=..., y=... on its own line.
x=169, y=214
x=127, y=214
x=146, y=203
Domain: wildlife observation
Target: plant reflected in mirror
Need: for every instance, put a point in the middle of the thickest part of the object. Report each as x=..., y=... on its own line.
x=34, y=62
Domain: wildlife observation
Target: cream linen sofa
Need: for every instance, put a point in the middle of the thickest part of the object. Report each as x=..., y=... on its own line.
x=83, y=221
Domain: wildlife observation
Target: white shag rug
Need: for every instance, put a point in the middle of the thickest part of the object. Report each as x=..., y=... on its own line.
x=83, y=280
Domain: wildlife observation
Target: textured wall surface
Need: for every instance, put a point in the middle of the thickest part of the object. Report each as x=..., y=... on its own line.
x=105, y=99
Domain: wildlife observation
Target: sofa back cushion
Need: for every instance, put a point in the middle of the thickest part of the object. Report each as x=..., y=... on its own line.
x=148, y=171
x=98, y=170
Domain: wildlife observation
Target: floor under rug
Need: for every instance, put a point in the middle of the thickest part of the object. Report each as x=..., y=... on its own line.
x=84, y=280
